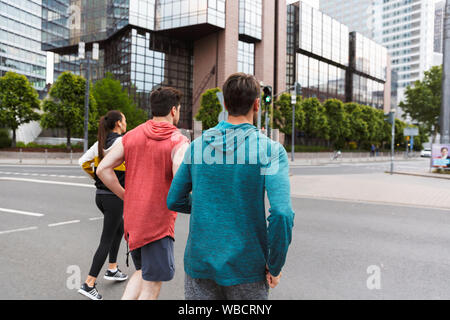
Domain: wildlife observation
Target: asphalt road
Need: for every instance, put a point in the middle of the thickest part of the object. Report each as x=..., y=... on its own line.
x=56, y=227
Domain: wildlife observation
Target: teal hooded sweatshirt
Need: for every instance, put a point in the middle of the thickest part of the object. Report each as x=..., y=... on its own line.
x=222, y=183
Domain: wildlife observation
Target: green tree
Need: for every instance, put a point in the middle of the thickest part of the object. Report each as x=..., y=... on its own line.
x=65, y=107
x=338, y=122
x=316, y=122
x=18, y=102
x=282, y=114
x=210, y=109
x=423, y=100
x=110, y=95
x=376, y=127
x=359, y=129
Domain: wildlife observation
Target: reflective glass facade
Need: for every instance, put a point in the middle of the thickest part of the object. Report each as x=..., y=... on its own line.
x=320, y=79
x=329, y=62
x=322, y=35
x=246, y=57
x=139, y=57
x=20, y=41
x=370, y=57
x=250, y=18
x=172, y=14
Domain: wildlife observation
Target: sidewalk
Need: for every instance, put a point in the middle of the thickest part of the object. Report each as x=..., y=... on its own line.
x=301, y=159
x=305, y=159
x=376, y=188
x=426, y=174
x=39, y=158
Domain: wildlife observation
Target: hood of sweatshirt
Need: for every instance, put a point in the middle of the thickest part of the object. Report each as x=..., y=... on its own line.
x=160, y=130
x=227, y=138
x=110, y=139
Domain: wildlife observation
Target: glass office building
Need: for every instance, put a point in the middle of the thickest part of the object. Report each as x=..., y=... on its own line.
x=329, y=62
x=369, y=64
x=250, y=19
x=144, y=43
x=20, y=41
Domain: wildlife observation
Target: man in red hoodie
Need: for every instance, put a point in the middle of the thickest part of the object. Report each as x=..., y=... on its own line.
x=152, y=153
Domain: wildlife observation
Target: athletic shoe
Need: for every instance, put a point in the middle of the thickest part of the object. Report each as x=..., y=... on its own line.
x=115, y=276
x=90, y=292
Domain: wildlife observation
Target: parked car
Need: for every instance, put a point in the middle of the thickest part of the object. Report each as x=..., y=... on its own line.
x=426, y=153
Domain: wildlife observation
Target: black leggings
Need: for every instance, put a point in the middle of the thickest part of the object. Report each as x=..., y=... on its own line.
x=112, y=208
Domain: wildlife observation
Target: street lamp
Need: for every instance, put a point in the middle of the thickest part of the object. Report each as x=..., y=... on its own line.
x=85, y=58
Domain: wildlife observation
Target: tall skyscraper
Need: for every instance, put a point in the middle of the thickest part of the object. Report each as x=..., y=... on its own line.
x=331, y=62
x=404, y=27
x=439, y=27
x=20, y=41
x=191, y=45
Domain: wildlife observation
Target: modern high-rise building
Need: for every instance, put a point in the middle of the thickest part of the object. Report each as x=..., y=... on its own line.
x=191, y=45
x=439, y=27
x=404, y=27
x=331, y=62
x=20, y=41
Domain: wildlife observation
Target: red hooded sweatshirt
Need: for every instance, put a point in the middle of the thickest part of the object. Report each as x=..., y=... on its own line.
x=149, y=152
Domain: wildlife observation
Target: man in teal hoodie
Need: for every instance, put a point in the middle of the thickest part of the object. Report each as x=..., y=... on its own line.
x=231, y=252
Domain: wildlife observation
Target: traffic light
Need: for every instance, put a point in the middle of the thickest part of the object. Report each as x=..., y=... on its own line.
x=389, y=117
x=267, y=97
x=298, y=89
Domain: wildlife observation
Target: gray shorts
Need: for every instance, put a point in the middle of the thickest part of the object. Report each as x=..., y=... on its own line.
x=156, y=260
x=206, y=289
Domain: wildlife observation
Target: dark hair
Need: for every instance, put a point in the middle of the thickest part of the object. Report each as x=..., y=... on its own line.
x=444, y=148
x=106, y=125
x=240, y=92
x=163, y=99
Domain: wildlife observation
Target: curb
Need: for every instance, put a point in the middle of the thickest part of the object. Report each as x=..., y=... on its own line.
x=419, y=175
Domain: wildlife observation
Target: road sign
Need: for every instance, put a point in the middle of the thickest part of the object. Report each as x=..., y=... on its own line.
x=411, y=132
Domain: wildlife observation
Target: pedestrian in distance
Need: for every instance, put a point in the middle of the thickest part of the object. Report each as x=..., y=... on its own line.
x=152, y=152
x=110, y=130
x=231, y=253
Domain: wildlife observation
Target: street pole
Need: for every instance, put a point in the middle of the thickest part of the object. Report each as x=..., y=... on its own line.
x=445, y=108
x=86, y=104
x=293, y=102
x=393, y=143
x=261, y=85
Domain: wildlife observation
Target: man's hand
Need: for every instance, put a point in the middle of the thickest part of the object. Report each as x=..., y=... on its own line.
x=271, y=280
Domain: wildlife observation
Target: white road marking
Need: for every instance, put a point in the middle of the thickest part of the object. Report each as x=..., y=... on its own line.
x=33, y=214
x=94, y=219
x=63, y=223
x=18, y=230
x=49, y=182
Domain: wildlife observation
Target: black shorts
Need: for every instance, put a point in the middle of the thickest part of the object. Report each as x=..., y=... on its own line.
x=156, y=260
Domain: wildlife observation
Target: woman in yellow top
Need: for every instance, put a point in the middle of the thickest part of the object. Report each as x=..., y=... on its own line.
x=110, y=130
